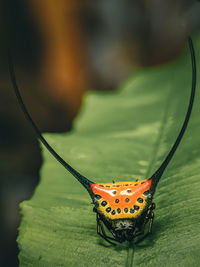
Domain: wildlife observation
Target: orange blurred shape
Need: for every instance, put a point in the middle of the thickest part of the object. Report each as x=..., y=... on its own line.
x=64, y=69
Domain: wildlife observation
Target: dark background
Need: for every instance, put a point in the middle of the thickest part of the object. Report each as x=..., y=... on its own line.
x=60, y=50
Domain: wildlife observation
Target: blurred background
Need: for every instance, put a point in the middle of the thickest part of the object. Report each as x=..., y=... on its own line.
x=60, y=50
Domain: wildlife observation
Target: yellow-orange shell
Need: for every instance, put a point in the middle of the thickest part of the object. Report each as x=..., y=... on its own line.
x=124, y=196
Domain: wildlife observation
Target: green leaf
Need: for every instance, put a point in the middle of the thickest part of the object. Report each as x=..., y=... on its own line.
x=121, y=136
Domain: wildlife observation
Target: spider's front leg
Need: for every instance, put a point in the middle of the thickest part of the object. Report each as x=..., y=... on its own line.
x=102, y=233
x=149, y=218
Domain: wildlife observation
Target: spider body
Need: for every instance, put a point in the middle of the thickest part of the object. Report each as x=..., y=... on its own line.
x=125, y=208
x=123, y=200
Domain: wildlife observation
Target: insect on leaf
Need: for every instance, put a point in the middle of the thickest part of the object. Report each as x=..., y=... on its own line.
x=121, y=136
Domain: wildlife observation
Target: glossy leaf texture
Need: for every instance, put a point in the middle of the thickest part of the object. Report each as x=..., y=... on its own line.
x=121, y=136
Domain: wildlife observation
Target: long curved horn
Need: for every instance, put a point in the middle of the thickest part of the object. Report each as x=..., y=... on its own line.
x=157, y=175
x=83, y=180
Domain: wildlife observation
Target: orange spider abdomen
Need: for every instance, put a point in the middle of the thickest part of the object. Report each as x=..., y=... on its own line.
x=123, y=199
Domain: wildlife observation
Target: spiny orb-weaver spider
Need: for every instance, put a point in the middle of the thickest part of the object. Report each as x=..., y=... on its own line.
x=124, y=208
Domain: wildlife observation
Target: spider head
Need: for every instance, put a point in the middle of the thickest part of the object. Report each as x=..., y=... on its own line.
x=124, y=230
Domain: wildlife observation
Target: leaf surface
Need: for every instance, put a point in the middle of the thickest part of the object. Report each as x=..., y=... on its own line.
x=121, y=136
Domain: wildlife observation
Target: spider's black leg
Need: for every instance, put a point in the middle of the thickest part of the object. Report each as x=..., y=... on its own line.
x=151, y=223
x=100, y=222
x=150, y=218
x=99, y=228
x=102, y=233
x=148, y=233
x=108, y=237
